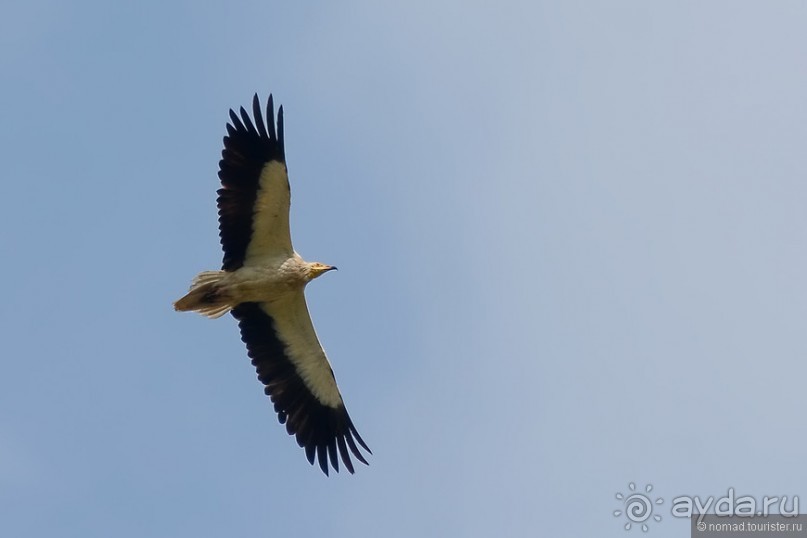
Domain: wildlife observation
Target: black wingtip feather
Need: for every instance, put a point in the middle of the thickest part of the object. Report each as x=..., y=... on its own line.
x=322, y=456
x=355, y=449
x=310, y=452
x=359, y=439
x=280, y=135
x=236, y=122
x=343, y=452
x=332, y=454
x=248, y=122
x=256, y=111
x=270, y=115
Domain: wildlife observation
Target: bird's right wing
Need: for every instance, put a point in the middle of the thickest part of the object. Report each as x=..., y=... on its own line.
x=292, y=365
x=254, y=196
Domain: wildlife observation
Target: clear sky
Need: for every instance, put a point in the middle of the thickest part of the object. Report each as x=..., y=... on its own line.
x=572, y=244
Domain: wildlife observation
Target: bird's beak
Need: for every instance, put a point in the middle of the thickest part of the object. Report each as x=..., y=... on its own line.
x=320, y=270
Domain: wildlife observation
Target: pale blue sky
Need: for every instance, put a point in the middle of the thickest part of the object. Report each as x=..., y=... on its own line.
x=572, y=242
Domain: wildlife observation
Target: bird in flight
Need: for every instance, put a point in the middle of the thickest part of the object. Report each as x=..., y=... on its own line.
x=262, y=282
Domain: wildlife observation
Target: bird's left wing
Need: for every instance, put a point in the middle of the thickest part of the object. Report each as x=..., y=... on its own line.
x=254, y=196
x=292, y=365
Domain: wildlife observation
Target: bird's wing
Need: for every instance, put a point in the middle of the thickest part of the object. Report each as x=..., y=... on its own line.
x=254, y=196
x=284, y=348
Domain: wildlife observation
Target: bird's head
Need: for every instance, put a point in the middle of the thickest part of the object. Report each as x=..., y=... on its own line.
x=315, y=269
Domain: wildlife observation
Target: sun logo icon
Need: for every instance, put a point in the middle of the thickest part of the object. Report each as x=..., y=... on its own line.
x=638, y=507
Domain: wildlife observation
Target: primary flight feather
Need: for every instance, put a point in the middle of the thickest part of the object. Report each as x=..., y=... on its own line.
x=262, y=282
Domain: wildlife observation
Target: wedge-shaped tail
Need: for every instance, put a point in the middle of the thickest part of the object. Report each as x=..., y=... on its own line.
x=205, y=297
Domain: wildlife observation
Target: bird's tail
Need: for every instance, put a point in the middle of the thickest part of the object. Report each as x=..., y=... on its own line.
x=205, y=296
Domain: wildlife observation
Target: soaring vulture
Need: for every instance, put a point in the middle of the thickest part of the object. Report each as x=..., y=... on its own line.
x=262, y=283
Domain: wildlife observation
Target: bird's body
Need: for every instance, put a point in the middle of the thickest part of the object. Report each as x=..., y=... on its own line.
x=266, y=283
x=262, y=284
x=214, y=293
